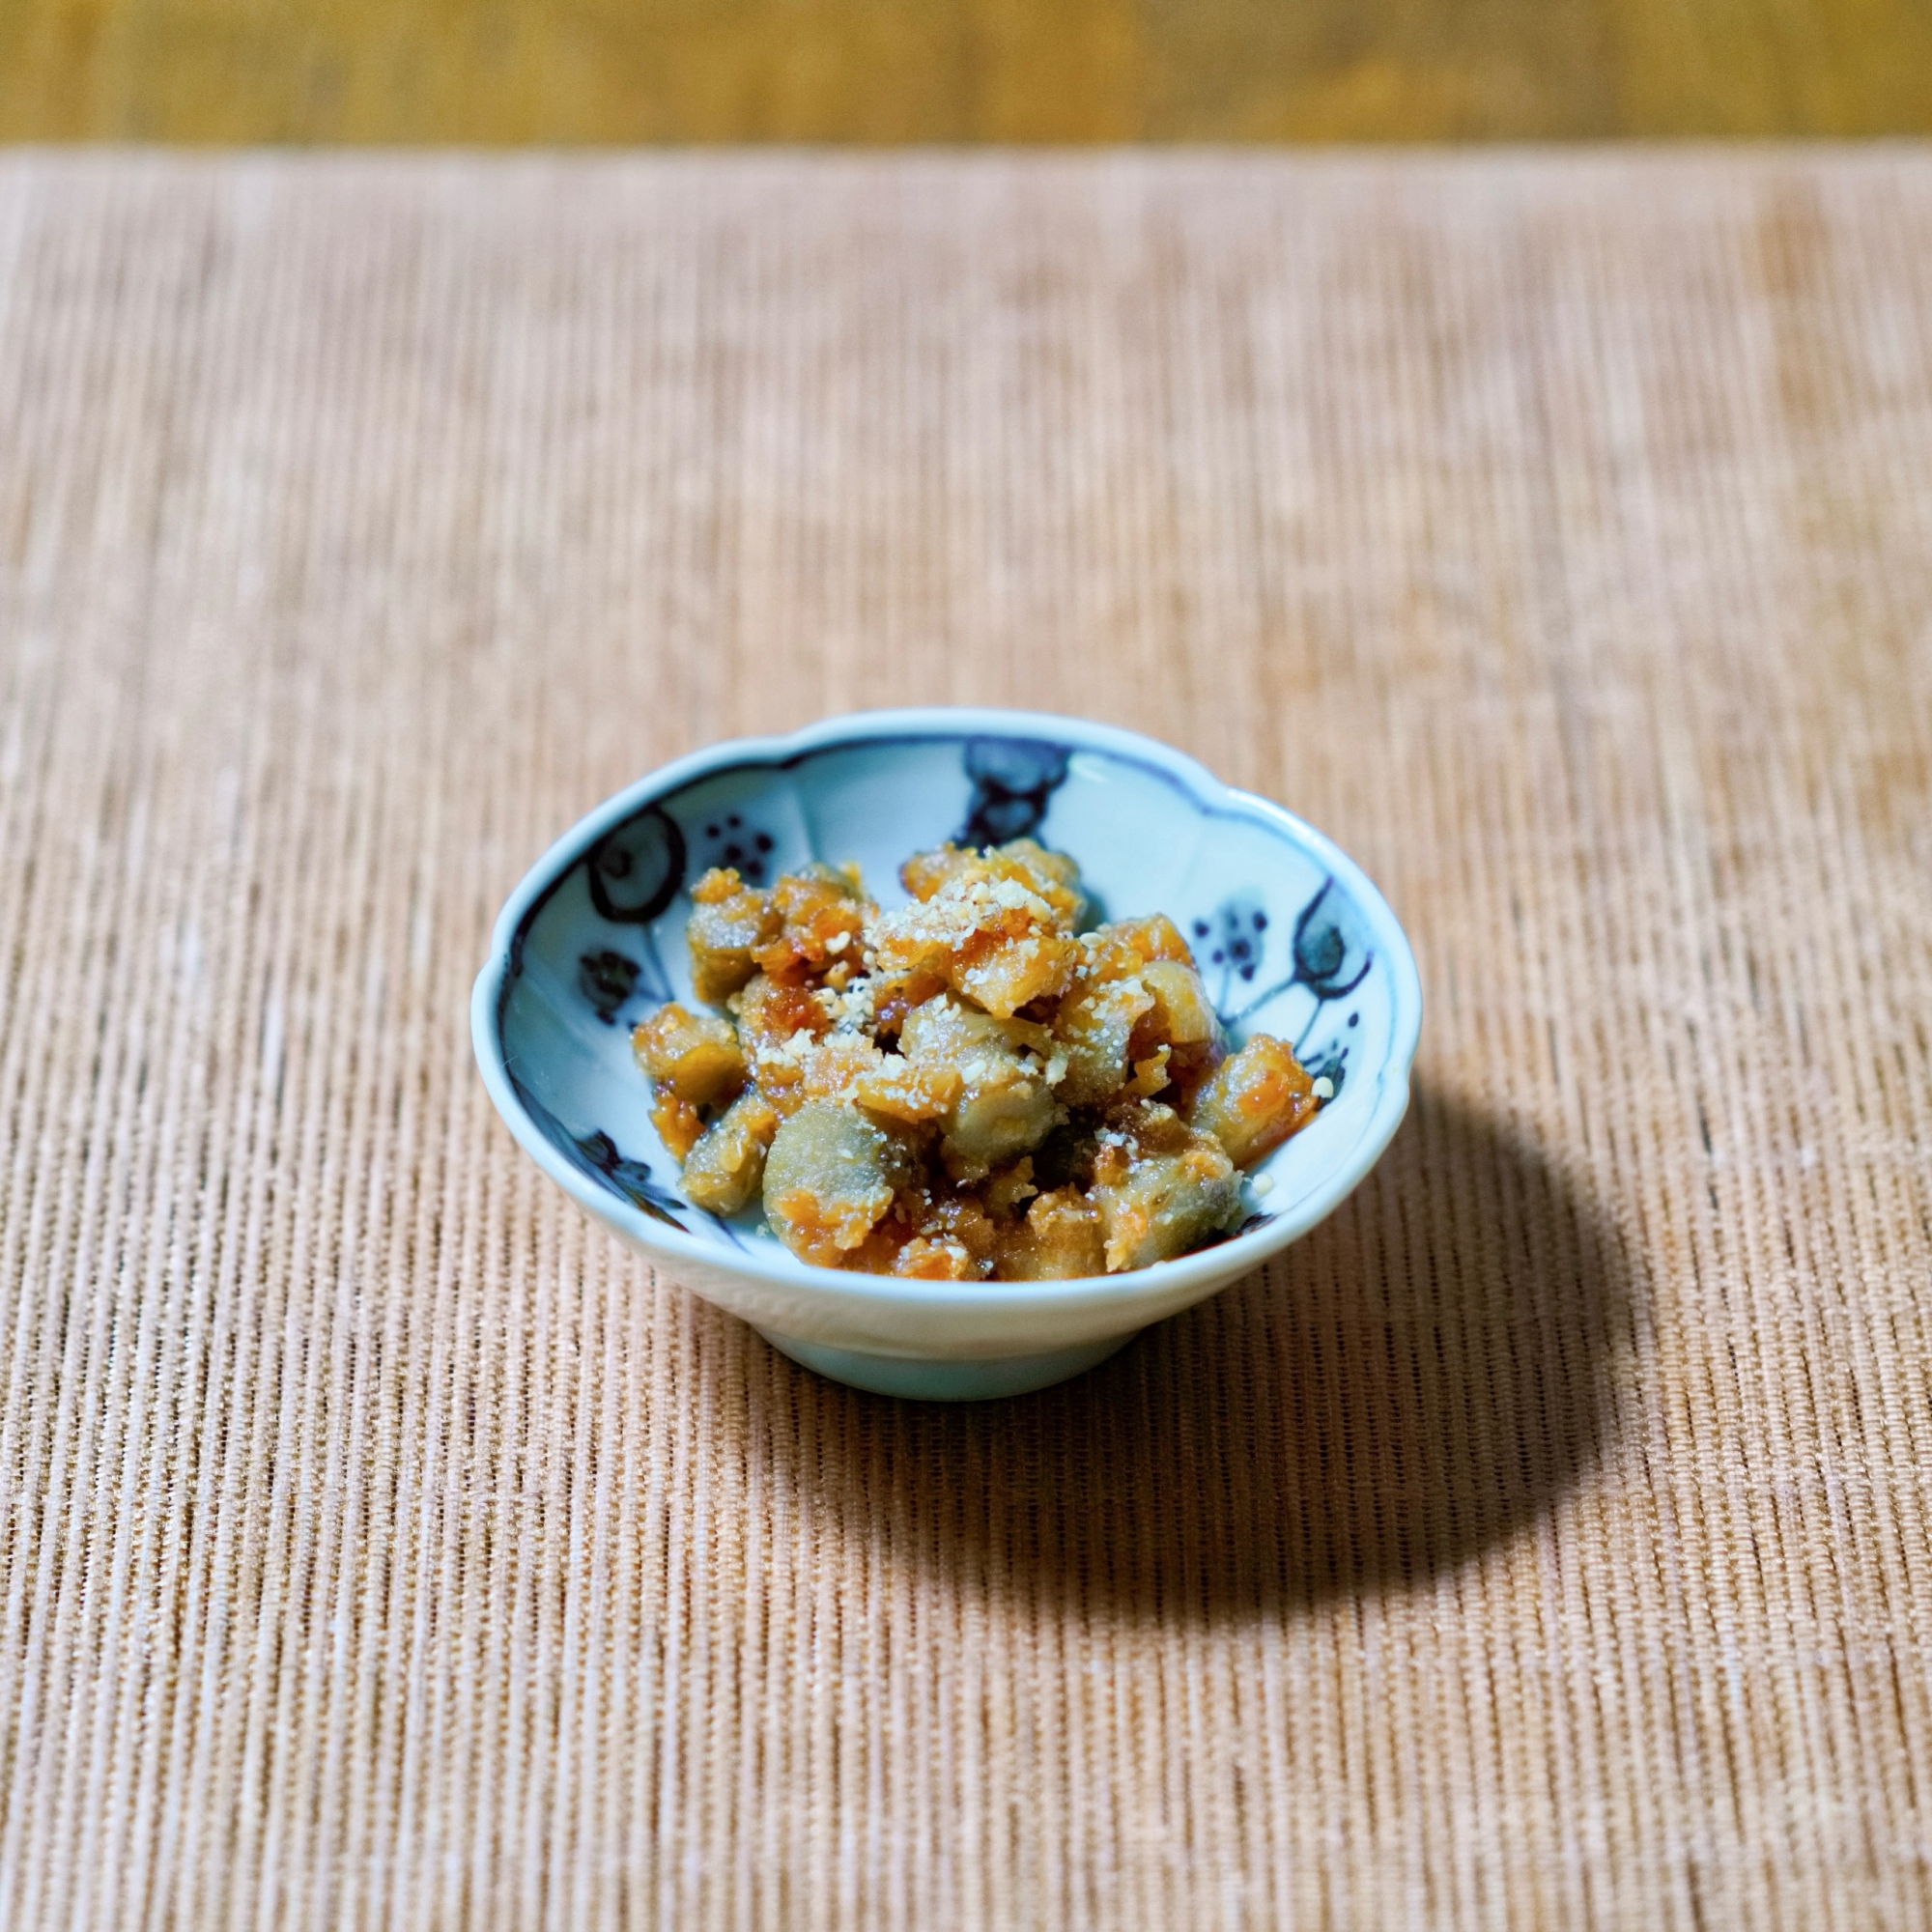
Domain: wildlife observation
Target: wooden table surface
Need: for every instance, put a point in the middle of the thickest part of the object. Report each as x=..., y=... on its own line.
x=1049, y=71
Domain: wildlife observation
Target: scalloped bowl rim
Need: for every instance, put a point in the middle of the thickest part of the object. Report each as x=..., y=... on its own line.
x=1162, y=1282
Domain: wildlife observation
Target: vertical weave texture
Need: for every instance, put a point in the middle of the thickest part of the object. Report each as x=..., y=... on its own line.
x=1543, y=1542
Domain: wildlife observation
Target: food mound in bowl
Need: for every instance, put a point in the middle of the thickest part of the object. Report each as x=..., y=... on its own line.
x=968, y=1088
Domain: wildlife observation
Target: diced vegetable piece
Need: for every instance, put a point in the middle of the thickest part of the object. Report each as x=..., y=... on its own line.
x=850, y=1067
x=1005, y=1107
x=955, y=1218
x=925, y=1258
x=925, y=872
x=894, y=997
x=901, y=1090
x=1052, y=875
x=1012, y=972
x=1182, y=1015
x=997, y=926
x=830, y=1176
x=778, y=1025
x=1155, y=939
x=694, y=1056
x=1095, y=1025
x=1256, y=1100
x=678, y=1123
x=933, y=1236
x=1059, y=1239
x=728, y=923
x=1176, y=1043
x=727, y=1168
x=1131, y=998
x=824, y=918
x=1160, y=1188
x=1122, y=949
x=1007, y=1192
x=771, y=1014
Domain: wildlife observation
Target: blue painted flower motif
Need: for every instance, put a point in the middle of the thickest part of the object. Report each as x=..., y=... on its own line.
x=597, y=1154
x=607, y=979
x=1329, y=955
x=1330, y=959
x=1235, y=941
x=634, y=871
x=1013, y=780
x=728, y=838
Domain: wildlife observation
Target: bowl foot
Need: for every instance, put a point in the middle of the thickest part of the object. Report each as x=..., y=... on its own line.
x=924, y=1380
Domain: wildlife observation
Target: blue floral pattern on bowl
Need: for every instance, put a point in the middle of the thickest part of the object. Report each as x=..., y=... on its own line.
x=1292, y=940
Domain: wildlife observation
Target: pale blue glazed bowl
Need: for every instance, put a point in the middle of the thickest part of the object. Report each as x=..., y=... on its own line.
x=1291, y=937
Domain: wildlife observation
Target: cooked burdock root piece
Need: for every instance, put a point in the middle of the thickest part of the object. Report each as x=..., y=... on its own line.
x=1005, y=1104
x=1096, y=1028
x=693, y=1060
x=895, y=1090
x=1160, y=1187
x=729, y=923
x=933, y=1234
x=1256, y=1100
x=776, y=1026
x=823, y=914
x=1059, y=1239
x=679, y=1125
x=830, y=1178
x=996, y=926
x=771, y=1014
x=724, y=1170
x=696, y=1056
x=968, y=1086
x=1053, y=875
x=1182, y=1025
x=1136, y=1017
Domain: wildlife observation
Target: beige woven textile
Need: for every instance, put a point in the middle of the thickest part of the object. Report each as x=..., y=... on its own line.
x=1545, y=1540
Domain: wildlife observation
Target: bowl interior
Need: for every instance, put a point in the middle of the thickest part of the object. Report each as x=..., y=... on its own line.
x=1290, y=938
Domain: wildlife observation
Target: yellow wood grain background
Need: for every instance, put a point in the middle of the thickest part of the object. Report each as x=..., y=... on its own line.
x=949, y=71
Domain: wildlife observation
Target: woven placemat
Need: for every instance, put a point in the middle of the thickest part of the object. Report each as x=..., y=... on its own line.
x=1541, y=1542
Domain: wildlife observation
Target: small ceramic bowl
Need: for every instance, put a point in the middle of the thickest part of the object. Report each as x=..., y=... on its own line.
x=1291, y=937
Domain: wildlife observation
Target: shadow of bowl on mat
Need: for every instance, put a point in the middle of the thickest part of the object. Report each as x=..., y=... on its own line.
x=1419, y=1379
